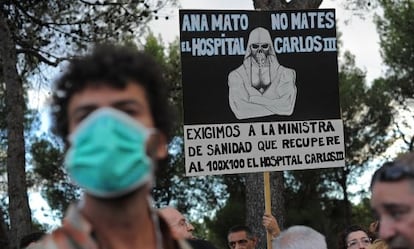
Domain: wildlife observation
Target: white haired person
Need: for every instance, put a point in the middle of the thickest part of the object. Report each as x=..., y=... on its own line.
x=299, y=237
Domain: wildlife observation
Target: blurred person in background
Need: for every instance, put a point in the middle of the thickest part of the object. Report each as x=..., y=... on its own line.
x=299, y=237
x=111, y=109
x=354, y=237
x=392, y=199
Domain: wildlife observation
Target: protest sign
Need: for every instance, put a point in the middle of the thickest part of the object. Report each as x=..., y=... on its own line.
x=260, y=91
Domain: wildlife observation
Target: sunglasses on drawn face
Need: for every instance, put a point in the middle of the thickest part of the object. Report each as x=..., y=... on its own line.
x=264, y=46
x=391, y=172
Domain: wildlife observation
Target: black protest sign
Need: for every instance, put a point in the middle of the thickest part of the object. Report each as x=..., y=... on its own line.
x=260, y=91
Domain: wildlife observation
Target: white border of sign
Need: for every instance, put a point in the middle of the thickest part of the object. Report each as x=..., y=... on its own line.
x=263, y=146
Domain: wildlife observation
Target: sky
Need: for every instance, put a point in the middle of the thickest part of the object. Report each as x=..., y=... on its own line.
x=359, y=36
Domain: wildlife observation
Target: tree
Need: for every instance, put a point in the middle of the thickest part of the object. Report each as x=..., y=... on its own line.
x=232, y=213
x=38, y=33
x=19, y=209
x=397, y=44
x=55, y=186
x=394, y=21
x=367, y=116
x=395, y=29
x=171, y=186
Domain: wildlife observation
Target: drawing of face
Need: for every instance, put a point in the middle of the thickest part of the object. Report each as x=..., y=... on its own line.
x=260, y=47
x=260, y=51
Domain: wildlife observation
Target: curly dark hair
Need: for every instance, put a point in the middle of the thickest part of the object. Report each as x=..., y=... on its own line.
x=113, y=66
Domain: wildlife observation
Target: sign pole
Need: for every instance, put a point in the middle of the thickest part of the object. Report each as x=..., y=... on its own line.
x=268, y=204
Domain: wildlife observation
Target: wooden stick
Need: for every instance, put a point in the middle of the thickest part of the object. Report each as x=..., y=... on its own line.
x=268, y=204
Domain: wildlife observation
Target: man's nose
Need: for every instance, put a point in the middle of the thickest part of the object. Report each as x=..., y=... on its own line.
x=361, y=245
x=238, y=245
x=190, y=227
x=386, y=229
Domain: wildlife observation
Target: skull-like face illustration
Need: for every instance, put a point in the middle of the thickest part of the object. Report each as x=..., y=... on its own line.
x=260, y=51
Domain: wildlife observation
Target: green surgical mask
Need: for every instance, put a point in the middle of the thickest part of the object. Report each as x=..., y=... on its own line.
x=107, y=157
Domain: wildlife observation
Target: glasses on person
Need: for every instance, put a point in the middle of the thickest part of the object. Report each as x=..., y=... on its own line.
x=355, y=243
x=242, y=242
x=392, y=171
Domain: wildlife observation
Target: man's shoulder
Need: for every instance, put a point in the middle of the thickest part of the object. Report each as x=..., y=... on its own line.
x=55, y=240
x=183, y=244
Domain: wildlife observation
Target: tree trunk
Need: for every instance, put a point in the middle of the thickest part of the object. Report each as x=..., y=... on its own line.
x=3, y=230
x=19, y=210
x=254, y=182
x=255, y=204
x=347, y=206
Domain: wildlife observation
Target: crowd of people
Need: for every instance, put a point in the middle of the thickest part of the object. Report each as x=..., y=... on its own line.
x=117, y=93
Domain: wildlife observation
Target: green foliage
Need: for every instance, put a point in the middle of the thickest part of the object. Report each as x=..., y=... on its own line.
x=232, y=213
x=55, y=185
x=367, y=115
x=396, y=29
x=362, y=213
x=45, y=33
x=309, y=195
x=49, y=31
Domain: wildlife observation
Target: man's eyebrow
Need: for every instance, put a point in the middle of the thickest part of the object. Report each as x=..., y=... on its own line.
x=84, y=109
x=126, y=102
x=391, y=206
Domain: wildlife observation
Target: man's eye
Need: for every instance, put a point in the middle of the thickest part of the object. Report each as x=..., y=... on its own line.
x=130, y=112
x=396, y=214
x=81, y=116
x=352, y=243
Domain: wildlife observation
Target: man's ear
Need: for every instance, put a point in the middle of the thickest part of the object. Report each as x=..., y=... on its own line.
x=157, y=147
x=254, y=241
x=162, y=146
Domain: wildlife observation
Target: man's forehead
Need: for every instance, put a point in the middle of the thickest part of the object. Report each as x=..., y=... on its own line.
x=172, y=214
x=238, y=234
x=391, y=193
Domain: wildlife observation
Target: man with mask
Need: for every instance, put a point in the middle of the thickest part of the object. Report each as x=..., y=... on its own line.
x=392, y=199
x=110, y=107
x=261, y=86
